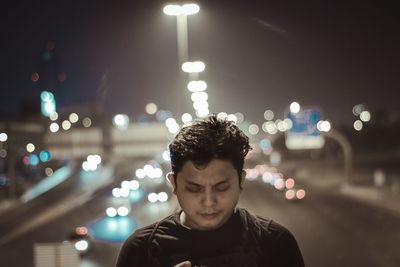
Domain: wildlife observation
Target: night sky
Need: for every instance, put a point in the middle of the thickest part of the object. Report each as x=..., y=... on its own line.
x=258, y=55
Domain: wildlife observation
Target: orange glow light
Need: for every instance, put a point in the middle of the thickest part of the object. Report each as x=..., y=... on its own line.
x=82, y=230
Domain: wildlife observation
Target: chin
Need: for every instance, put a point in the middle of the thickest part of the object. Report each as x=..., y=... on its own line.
x=210, y=224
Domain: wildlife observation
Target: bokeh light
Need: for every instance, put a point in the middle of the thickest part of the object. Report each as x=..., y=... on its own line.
x=53, y=116
x=300, y=194
x=294, y=107
x=33, y=160
x=48, y=171
x=290, y=194
x=86, y=122
x=45, y=155
x=73, y=117
x=253, y=129
x=365, y=116
x=35, y=77
x=30, y=147
x=197, y=86
x=239, y=117
x=358, y=125
x=289, y=183
x=66, y=125
x=151, y=108
x=269, y=115
x=186, y=118
x=357, y=109
x=121, y=121
x=54, y=127
x=3, y=137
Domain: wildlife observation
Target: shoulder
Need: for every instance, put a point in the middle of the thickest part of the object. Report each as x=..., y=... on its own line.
x=273, y=236
x=135, y=248
x=263, y=226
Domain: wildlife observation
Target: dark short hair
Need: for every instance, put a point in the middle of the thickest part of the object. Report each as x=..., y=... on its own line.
x=207, y=139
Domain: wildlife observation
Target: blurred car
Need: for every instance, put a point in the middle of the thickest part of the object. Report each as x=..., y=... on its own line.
x=82, y=240
x=295, y=194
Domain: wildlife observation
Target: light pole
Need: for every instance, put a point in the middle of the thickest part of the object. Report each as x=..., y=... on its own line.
x=181, y=12
x=197, y=87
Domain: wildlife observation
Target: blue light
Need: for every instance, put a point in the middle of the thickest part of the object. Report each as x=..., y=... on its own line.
x=116, y=229
x=33, y=160
x=265, y=144
x=45, y=155
x=48, y=103
x=136, y=195
x=45, y=96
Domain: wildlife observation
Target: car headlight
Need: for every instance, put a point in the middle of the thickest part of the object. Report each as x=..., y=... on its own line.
x=81, y=245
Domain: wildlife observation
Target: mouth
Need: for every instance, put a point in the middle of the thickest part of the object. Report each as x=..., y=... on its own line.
x=209, y=216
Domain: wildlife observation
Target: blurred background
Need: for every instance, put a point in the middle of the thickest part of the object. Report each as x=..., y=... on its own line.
x=92, y=93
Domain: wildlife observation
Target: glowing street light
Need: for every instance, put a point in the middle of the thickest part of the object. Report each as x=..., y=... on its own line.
x=179, y=10
x=197, y=86
x=294, y=107
x=193, y=67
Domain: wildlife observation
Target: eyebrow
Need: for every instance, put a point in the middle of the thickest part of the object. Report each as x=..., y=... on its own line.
x=219, y=183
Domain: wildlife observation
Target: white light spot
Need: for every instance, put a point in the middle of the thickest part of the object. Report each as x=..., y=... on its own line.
x=240, y=117
x=365, y=116
x=253, y=129
x=197, y=86
x=121, y=121
x=140, y=173
x=358, y=125
x=269, y=115
x=54, y=127
x=162, y=196
x=134, y=185
x=222, y=115
x=199, y=96
x=66, y=125
x=186, y=118
x=294, y=107
x=123, y=211
x=87, y=122
x=3, y=137
x=124, y=192
x=53, y=116
x=73, y=117
x=166, y=155
x=111, y=212
x=151, y=108
x=233, y=118
x=30, y=147
x=324, y=126
x=116, y=192
x=81, y=245
x=152, y=197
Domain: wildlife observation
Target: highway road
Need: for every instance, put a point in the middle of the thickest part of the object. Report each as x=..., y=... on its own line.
x=332, y=230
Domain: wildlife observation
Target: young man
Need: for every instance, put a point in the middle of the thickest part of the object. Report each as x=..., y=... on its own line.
x=207, y=176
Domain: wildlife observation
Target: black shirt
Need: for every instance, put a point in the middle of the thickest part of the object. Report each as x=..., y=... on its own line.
x=244, y=240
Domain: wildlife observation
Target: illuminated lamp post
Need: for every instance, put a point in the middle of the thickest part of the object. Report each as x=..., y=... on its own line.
x=181, y=12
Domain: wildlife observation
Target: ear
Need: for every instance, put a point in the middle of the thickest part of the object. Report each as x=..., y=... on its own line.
x=242, y=178
x=171, y=179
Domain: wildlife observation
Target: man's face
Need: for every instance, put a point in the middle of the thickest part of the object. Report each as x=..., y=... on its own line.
x=207, y=194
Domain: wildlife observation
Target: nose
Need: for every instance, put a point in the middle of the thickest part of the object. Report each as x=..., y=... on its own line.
x=209, y=199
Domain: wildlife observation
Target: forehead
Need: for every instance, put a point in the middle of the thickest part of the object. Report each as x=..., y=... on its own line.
x=213, y=171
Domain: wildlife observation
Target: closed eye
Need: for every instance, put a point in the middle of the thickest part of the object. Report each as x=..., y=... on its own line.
x=193, y=188
x=222, y=187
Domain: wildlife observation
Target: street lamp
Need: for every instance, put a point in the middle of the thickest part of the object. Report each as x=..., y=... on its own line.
x=186, y=9
x=181, y=12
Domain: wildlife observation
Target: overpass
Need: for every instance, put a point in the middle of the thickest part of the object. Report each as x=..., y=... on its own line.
x=138, y=140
